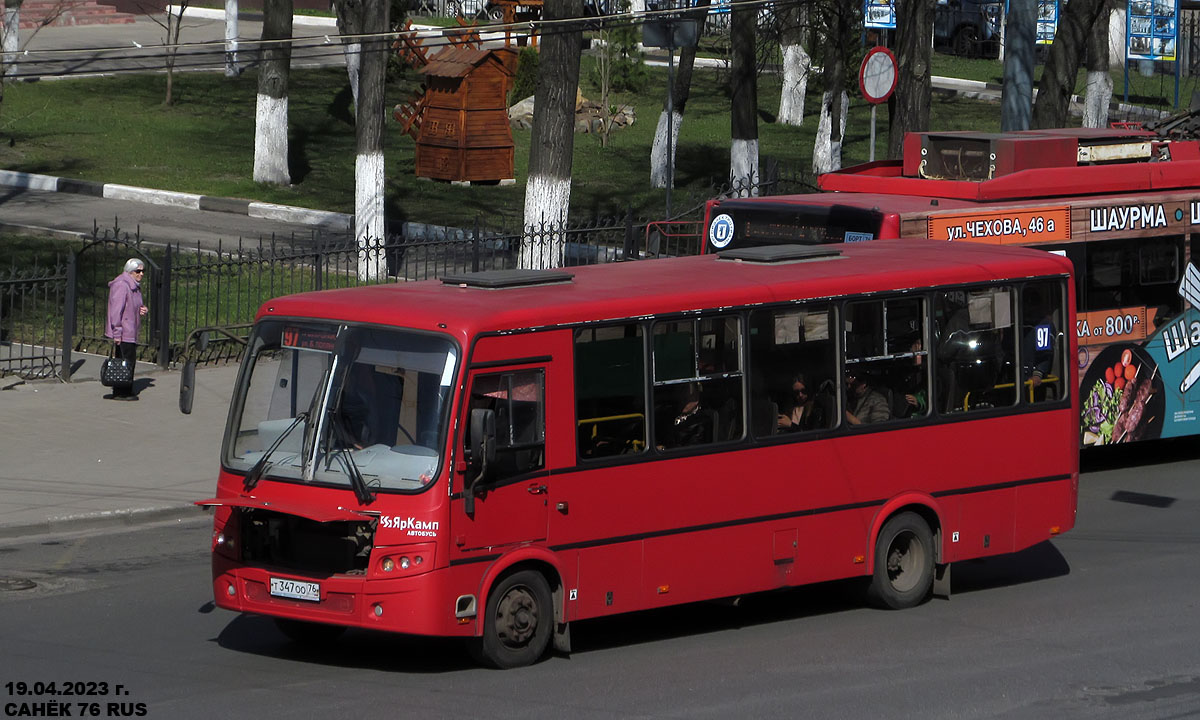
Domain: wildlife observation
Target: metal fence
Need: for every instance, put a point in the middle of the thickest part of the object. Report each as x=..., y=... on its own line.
x=202, y=301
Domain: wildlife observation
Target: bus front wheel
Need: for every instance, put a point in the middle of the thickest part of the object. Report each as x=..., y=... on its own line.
x=518, y=622
x=903, y=573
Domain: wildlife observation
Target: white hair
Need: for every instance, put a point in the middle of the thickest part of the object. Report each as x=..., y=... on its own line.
x=134, y=264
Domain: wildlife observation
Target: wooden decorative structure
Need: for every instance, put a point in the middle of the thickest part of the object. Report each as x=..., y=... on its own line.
x=463, y=132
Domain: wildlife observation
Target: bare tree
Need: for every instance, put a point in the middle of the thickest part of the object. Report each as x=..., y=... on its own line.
x=551, y=147
x=743, y=86
x=662, y=152
x=797, y=64
x=271, y=115
x=908, y=108
x=369, y=176
x=1052, y=103
x=172, y=24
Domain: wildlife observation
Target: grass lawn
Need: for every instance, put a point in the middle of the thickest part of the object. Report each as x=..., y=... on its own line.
x=117, y=130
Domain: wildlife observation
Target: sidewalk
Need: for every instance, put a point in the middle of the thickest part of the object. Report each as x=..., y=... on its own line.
x=75, y=461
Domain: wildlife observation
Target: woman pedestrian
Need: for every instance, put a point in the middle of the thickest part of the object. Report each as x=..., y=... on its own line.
x=125, y=311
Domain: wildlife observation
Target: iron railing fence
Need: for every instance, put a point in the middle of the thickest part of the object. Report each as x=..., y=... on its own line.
x=31, y=317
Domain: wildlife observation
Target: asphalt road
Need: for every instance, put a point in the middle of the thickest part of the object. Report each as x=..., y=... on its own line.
x=73, y=213
x=1100, y=623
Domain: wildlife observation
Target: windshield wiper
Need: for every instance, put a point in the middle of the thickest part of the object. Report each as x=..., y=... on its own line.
x=357, y=481
x=260, y=467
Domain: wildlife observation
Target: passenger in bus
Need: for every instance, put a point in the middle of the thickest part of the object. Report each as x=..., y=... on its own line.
x=355, y=416
x=692, y=424
x=805, y=413
x=866, y=405
x=913, y=386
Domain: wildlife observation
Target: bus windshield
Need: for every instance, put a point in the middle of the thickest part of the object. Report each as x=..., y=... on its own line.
x=327, y=401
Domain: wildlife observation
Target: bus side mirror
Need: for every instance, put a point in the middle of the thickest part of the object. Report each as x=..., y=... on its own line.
x=481, y=452
x=187, y=386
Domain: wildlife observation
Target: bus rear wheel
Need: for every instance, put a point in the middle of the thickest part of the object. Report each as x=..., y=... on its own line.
x=518, y=622
x=903, y=574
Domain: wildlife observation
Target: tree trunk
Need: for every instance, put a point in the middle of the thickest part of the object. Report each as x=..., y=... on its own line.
x=1052, y=103
x=231, y=35
x=271, y=115
x=908, y=111
x=369, y=223
x=12, y=36
x=1099, y=82
x=827, y=152
x=796, y=64
x=743, y=85
x=679, y=96
x=551, y=147
x=350, y=21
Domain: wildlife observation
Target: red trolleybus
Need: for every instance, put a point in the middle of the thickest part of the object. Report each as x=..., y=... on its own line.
x=1121, y=204
x=499, y=454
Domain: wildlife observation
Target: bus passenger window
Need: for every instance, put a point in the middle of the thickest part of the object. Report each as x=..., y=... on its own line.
x=975, y=349
x=793, y=370
x=518, y=399
x=698, y=392
x=886, y=369
x=610, y=391
x=1043, y=345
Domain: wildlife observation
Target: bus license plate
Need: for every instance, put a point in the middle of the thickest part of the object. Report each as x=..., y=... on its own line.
x=296, y=589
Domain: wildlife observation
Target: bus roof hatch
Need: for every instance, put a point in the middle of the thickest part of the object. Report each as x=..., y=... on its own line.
x=768, y=254
x=502, y=279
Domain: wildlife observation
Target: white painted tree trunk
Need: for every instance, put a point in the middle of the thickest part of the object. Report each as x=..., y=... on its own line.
x=827, y=155
x=659, y=150
x=1096, y=99
x=231, y=36
x=353, y=51
x=271, y=144
x=743, y=167
x=12, y=38
x=369, y=226
x=796, y=67
x=1116, y=37
x=546, y=201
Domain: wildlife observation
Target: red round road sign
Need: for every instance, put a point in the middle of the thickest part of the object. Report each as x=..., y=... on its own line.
x=877, y=76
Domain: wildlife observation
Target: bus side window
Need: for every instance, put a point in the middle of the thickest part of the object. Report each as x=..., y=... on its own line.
x=975, y=349
x=610, y=391
x=518, y=399
x=1043, y=345
x=698, y=389
x=793, y=370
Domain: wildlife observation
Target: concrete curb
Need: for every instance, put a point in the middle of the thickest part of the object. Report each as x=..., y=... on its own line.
x=282, y=213
x=104, y=520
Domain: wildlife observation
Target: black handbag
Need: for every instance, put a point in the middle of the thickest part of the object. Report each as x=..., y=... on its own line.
x=115, y=371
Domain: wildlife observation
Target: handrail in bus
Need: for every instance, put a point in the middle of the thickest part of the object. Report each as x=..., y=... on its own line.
x=1027, y=383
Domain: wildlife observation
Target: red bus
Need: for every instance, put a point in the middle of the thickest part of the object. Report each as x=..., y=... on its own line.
x=497, y=455
x=1121, y=204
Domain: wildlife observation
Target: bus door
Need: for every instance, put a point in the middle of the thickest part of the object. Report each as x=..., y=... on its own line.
x=510, y=500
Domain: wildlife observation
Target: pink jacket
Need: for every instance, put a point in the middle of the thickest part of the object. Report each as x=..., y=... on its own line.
x=124, y=309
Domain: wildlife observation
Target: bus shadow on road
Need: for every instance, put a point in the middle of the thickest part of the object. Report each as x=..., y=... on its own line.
x=355, y=649
x=367, y=649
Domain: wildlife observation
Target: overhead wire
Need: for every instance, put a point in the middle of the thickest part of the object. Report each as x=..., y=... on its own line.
x=212, y=54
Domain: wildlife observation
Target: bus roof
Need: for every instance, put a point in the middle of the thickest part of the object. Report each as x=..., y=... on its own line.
x=634, y=289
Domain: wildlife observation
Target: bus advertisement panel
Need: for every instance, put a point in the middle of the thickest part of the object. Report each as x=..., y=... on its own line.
x=1123, y=207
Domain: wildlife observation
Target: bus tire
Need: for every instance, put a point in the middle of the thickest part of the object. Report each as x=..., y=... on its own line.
x=518, y=622
x=903, y=575
x=307, y=633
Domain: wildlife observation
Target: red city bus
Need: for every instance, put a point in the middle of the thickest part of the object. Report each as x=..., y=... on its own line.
x=496, y=455
x=1121, y=204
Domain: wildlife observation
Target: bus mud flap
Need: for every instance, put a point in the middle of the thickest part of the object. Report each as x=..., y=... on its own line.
x=941, y=581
